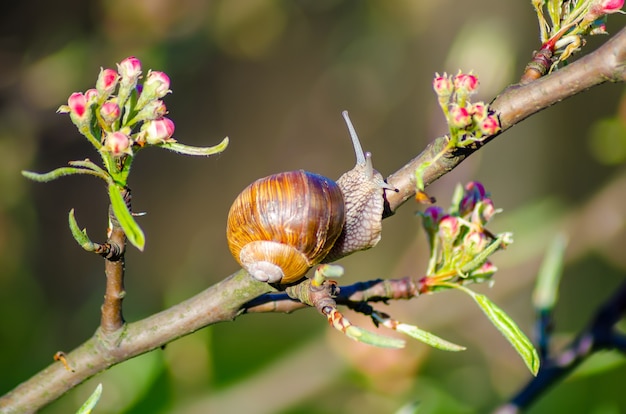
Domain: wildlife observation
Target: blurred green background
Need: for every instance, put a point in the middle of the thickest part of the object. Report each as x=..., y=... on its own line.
x=274, y=77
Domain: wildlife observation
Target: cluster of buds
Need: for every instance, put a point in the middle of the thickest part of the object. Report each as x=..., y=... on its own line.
x=460, y=245
x=467, y=122
x=569, y=21
x=120, y=114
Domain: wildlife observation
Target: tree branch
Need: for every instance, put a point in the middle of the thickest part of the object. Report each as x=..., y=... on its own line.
x=224, y=301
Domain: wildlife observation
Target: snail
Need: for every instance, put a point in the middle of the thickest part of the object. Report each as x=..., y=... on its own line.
x=282, y=225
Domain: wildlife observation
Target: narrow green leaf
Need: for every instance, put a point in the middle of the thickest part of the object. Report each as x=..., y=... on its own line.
x=195, y=151
x=510, y=330
x=429, y=338
x=58, y=173
x=79, y=235
x=370, y=338
x=481, y=258
x=457, y=196
x=127, y=222
x=546, y=290
x=91, y=401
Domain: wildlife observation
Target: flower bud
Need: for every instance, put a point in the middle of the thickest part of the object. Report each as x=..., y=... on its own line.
x=474, y=193
x=110, y=112
x=449, y=229
x=107, y=82
x=158, y=82
x=466, y=83
x=152, y=110
x=92, y=96
x=474, y=242
x=484, y=272
x=443, y=85
x=129, y=70
x=484, y=212
x=459, y=117
x=79, y=109
x=490, y=125
x=601, y=8
x=479, y=111
x=118, y=143
x=430, y=220
x=158, y=131
x=156, y=86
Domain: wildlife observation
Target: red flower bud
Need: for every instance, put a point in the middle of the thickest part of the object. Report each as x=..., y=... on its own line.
x=466, y=82
x=158, y=131
x=475, y=242
x=474, y=193
x=158, y=82
x=459, y=116
x=110, y=112
x=600, y=8
x=118, y=143
x=107, y=82
x=479, y=111
x=443, y=85
x=153, y=110
x=91, y=95
x=78, y=104
x=490, y=125
x=449, y=228
x=129, y=69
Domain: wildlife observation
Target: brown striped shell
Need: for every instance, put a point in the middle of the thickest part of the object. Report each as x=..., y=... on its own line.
x=282, y=225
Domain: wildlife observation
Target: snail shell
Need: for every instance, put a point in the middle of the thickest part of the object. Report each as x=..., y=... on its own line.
x=282, y=225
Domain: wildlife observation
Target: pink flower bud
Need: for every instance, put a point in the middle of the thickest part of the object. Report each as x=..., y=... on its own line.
x=118, y=143
x=91, y=95
x=158, y=82
x=466, y=83
x=129, y=70
x=153, y=110
x=158, y=131
x=156, y=86
x=79, y=109
x=475, y=242
x=474, y=193
x=609, y=6
x=107, y=82
x=479, y=111
x=78, y=104
x=483, y=212
x=601, y=8
x=430, y=219
x=443, y=85
x=459, y=117
x=484, y=272
x=449, y=229
x=490, y=125
x=110, y=112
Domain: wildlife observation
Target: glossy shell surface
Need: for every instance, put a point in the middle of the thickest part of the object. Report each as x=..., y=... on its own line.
x=300, y=214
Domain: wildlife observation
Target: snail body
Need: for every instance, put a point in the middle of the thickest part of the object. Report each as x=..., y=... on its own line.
x=282, y=225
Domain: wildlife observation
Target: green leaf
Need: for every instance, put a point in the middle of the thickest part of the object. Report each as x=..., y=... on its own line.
x=546, y=290
x=195, y=151
x=370, y=338
x=79, y=235
x=127, y=222
x=58, y=173
x=428, y=338
x=510, y=330
x=91, y=401
x=481, y=258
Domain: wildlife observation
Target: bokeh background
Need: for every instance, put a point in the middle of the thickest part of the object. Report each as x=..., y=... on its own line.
x=274, y=77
